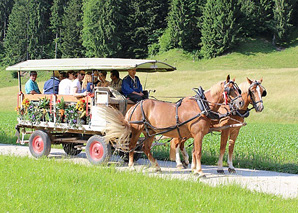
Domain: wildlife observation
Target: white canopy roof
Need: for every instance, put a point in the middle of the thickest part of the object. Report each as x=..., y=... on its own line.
x=91, y=64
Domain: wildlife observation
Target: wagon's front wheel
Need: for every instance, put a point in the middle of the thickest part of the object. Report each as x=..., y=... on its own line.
x=97, y=150
x=39, y=144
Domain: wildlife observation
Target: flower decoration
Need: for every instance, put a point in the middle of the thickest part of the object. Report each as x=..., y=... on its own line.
x=26, y=103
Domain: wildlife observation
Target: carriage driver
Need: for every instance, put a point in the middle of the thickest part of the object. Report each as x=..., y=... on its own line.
x=132, y=88
x=31, y=86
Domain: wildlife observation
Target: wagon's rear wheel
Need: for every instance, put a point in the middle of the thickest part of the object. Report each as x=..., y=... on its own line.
x=39, y=144
x=97, y=150
x=71, y=149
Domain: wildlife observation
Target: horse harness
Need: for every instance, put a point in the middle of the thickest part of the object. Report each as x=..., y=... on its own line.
x=202, y=104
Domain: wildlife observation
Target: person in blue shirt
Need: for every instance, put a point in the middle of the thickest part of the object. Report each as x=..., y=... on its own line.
x=132, y=88
x=48, y=85
x=31, y=86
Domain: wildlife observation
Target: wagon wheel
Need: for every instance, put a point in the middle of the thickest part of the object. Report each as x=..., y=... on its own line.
x=39, y=144
x=136, y=156
x=70, y=148
x=97, y=150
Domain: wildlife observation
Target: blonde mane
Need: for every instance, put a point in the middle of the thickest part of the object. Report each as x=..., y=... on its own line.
x=216, y=88
x=244, y=87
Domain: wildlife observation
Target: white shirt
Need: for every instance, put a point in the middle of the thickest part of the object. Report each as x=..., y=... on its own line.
x=75, y=84
x=64, y=87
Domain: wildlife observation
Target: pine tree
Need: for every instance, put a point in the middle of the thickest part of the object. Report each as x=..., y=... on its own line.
x=183, y=25
x=5, y=10
x=16, y=40
x=71, y=46
x=103, y=26
x=219, y=29
x=282, y=17
x=57, y=12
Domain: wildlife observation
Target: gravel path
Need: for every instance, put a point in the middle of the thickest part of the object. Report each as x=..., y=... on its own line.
x=285, y=185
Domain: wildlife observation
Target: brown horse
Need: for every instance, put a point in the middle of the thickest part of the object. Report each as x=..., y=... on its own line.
x=252, y=93
x=183, y=120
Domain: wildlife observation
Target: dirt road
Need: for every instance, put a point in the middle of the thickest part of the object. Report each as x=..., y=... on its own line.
x=285, y=185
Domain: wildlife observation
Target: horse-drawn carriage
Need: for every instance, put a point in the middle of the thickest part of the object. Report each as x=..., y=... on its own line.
x=97, y=123
x=73, y=122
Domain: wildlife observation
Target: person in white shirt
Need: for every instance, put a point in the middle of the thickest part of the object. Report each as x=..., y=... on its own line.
x=65, y=84
x=76, y=87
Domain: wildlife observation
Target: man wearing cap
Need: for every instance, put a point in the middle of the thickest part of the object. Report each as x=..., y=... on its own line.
x=132, y=88
x=31, y=86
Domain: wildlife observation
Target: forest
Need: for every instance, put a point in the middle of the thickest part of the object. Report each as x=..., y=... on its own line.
x=37, y=29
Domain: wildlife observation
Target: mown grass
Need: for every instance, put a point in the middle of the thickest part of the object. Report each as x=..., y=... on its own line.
x=49, y=185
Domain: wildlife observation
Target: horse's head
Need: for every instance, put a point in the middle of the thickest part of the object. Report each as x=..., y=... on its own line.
x=255, y=93
x=232, y=93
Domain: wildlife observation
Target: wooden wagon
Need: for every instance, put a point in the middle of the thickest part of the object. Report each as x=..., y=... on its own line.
x=57, y=119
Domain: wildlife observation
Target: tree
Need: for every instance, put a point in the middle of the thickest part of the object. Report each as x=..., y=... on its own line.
x=57, y=12
x=282, y=17
x=5, y=10
x=183, y=29
x=219, y=28
x=103, y=28
x=71, y=46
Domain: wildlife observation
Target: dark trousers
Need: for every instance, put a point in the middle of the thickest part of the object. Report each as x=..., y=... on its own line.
x=136, y=98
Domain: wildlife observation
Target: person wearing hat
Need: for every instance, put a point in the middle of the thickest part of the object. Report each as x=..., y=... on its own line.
x=76, y=87
x=48, y=85
x=31, y=86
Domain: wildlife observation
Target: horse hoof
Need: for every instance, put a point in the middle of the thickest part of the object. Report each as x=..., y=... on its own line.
x=158, y=170
x=220, y=171
x=180, y=166
x=232, y=171
x=185, y=165
x=201, y=176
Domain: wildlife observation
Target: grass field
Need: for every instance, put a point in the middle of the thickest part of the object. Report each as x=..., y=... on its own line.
x=49, y=185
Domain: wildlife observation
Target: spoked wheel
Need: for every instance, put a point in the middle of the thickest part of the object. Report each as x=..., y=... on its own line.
x=39, y=144
x=97, y=150
x=70, y=148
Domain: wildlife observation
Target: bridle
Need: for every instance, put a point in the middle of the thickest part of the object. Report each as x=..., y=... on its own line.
x=227, y=92
x=258, y=88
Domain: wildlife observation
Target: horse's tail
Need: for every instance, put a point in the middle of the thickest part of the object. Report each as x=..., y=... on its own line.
x=117, y=128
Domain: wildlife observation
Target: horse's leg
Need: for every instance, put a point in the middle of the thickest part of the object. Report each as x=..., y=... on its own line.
x=147, y=148
x=185, y=155
x=194, y=161
x=233, y=137
x=178, y=160
x=223, y=143
x=133, y=141
x=198, y=139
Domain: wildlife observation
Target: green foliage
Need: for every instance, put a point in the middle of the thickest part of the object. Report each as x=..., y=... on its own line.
x=183, y=30
x=103, y=28
x=72, y=26
x=282, y=18
x=219, y=27
x=57, y=11
x=5, y=10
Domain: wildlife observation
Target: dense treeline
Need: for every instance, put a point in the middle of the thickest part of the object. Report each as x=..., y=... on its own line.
x=34, y=29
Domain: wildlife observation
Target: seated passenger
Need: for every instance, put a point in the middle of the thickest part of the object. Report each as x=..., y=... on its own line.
x=65, y=84
x=116, y=82
x=95, y=81
x=132, y=88
x=102, y=79
x=48, y=85
x=31, y=86
x=87, y=79
x=76, y=88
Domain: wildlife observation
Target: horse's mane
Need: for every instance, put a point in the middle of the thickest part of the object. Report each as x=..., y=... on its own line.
x=216, y=88
x=244, y=86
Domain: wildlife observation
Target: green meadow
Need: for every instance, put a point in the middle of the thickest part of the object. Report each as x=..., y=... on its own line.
x=269, y=142
x=48, y=185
